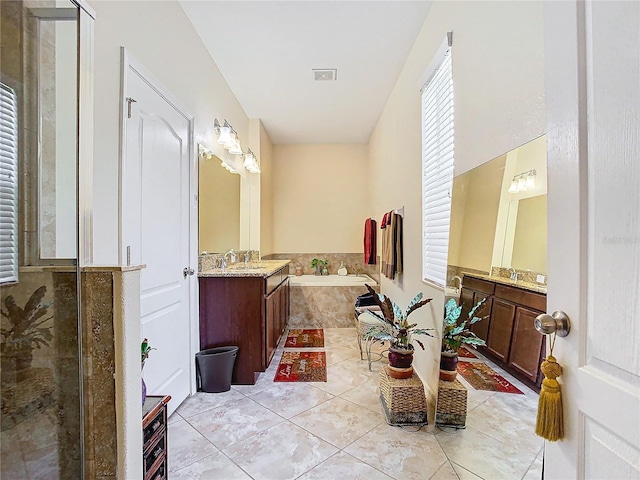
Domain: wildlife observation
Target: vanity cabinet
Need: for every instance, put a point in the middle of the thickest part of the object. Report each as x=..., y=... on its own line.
x=154, y=433
x=474, y=290
x=250, y=312
x=512, y=340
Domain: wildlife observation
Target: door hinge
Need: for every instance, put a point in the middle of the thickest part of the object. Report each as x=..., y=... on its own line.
x=129, y=102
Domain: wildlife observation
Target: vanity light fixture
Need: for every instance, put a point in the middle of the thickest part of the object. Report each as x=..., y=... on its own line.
x=227, y=137
x=523, y=181
x=251, y=162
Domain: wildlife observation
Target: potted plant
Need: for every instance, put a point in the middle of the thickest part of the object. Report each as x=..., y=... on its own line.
x=320, y=266
x=394, y=327
x=145, y=348
x=456, y=333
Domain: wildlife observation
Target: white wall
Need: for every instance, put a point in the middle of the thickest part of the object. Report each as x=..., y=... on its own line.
x=498, y=70
x=320, y=197
x=159, y=35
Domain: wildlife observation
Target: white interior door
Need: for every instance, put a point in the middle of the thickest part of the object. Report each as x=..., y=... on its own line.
x=592, y=54
x=156, y=227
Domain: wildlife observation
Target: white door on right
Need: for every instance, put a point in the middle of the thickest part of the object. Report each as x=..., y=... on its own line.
x=592, y=52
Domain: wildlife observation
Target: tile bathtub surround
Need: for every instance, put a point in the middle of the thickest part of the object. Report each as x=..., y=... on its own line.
x=337, y=430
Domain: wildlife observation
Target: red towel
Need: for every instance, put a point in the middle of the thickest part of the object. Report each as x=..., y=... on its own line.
x=370, y=241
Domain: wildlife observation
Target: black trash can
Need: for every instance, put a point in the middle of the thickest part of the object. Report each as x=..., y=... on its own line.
x=214, y=367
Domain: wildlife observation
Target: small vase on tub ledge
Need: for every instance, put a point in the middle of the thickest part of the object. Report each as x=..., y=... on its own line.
x=455, y=334
x=320, y=266
x=394, y=327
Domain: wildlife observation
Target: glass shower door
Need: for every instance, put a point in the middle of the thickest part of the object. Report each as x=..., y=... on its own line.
x=40, y=371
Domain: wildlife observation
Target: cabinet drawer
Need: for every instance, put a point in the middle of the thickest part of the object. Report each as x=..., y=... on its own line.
x=157, y=424
x=532, y=300
x=478, y=285
x=156, y=452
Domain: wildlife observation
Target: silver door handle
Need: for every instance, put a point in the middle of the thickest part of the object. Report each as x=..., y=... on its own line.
x=187, y=271
x=557, y=322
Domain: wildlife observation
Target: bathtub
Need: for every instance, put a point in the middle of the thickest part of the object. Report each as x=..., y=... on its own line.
x=331, y=280
x=325, y=301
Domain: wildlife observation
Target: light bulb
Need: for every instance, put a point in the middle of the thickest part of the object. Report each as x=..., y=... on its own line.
x=235, y=148
x=522, y=183
x=531, y=180
x=513, y=188
x=224, y=138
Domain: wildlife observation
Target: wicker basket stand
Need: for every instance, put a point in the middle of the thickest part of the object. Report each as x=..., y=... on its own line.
x=451, y=409
x=403, y=400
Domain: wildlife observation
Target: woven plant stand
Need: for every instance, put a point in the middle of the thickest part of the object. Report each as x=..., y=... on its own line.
x=403, y=400
x=451, y=409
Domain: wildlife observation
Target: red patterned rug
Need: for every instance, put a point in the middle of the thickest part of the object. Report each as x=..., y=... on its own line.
x=307, y=338
x=302, y=367
x=466, y=353
x=482, y=377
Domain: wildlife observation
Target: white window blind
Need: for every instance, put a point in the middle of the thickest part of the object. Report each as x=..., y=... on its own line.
x=437, y=170
x=8, y=185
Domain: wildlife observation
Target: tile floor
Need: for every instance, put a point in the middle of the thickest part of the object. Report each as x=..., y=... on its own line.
x=337, y=430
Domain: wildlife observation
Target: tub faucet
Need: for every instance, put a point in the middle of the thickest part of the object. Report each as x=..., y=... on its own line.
x=459, y=287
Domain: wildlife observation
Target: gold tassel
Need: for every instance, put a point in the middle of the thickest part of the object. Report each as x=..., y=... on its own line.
x=550, y=420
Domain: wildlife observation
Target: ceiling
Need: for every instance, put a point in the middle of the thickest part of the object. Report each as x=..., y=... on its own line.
x=266, y=51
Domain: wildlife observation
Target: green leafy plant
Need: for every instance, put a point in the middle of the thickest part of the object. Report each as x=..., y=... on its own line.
x=455, y=332
x=394, y=324
x=145, y=349
x=316, y=262
x=26, y=329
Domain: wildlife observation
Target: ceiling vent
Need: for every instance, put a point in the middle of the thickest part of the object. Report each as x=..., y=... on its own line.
x=321, y=74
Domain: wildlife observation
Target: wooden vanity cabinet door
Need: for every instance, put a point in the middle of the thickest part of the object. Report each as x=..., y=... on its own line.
x=272, y=310
x=501, y=327
x=526, y=352
x=481, y=328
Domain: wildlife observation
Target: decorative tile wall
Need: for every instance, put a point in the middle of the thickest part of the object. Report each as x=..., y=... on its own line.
x=353, y=262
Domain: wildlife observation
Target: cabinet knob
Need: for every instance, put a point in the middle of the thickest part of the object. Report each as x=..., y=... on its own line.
x=558, y=322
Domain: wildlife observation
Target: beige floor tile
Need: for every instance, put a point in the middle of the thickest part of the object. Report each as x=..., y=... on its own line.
x=187, y=445
x=201, y=402
x=484, y=455
x=214, y=466
x=338, y=421
x=343, y=466
x=340, y=354
x=174, y=417
x=341, y=377
x=535, y=470
x=446, y=472
x=400, y=453
x=234, y=422
x=506, y=423
x=282, y=452
x=289, y=399
x=465, y=474
x=366, y=395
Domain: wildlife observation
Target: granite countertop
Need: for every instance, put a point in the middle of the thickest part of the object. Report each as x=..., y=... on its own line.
x=263, y=268
x=531, y=286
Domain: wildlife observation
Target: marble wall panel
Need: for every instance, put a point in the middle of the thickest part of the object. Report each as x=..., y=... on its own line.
x=323, y=307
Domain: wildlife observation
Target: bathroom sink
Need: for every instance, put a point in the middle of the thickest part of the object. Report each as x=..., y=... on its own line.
x=451, y=292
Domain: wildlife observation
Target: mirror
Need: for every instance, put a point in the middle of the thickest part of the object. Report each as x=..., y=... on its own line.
x=494, y=226
x=219, y=206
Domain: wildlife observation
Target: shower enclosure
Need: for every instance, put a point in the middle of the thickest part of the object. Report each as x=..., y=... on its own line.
x=41, y=74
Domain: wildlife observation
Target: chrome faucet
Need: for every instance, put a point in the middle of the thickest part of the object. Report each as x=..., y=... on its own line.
x=232, y=256
x=514, y=274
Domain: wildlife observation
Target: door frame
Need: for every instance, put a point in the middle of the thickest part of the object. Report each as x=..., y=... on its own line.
x=130, y=63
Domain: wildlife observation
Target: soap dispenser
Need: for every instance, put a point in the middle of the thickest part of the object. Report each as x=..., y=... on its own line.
x=342, y=271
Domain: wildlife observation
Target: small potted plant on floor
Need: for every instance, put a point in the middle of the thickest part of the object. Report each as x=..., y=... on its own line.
x=393, y=326
x=456, y=333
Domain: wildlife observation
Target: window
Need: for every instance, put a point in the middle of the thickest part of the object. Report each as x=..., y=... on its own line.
x=8, y=185
x=437, y=169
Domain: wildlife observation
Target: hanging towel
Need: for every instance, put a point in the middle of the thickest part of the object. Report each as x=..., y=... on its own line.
x=398, y=243
x=388, y=248
x=370, y=247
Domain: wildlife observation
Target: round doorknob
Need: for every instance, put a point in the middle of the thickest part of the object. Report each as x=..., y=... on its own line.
x=557, y=322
